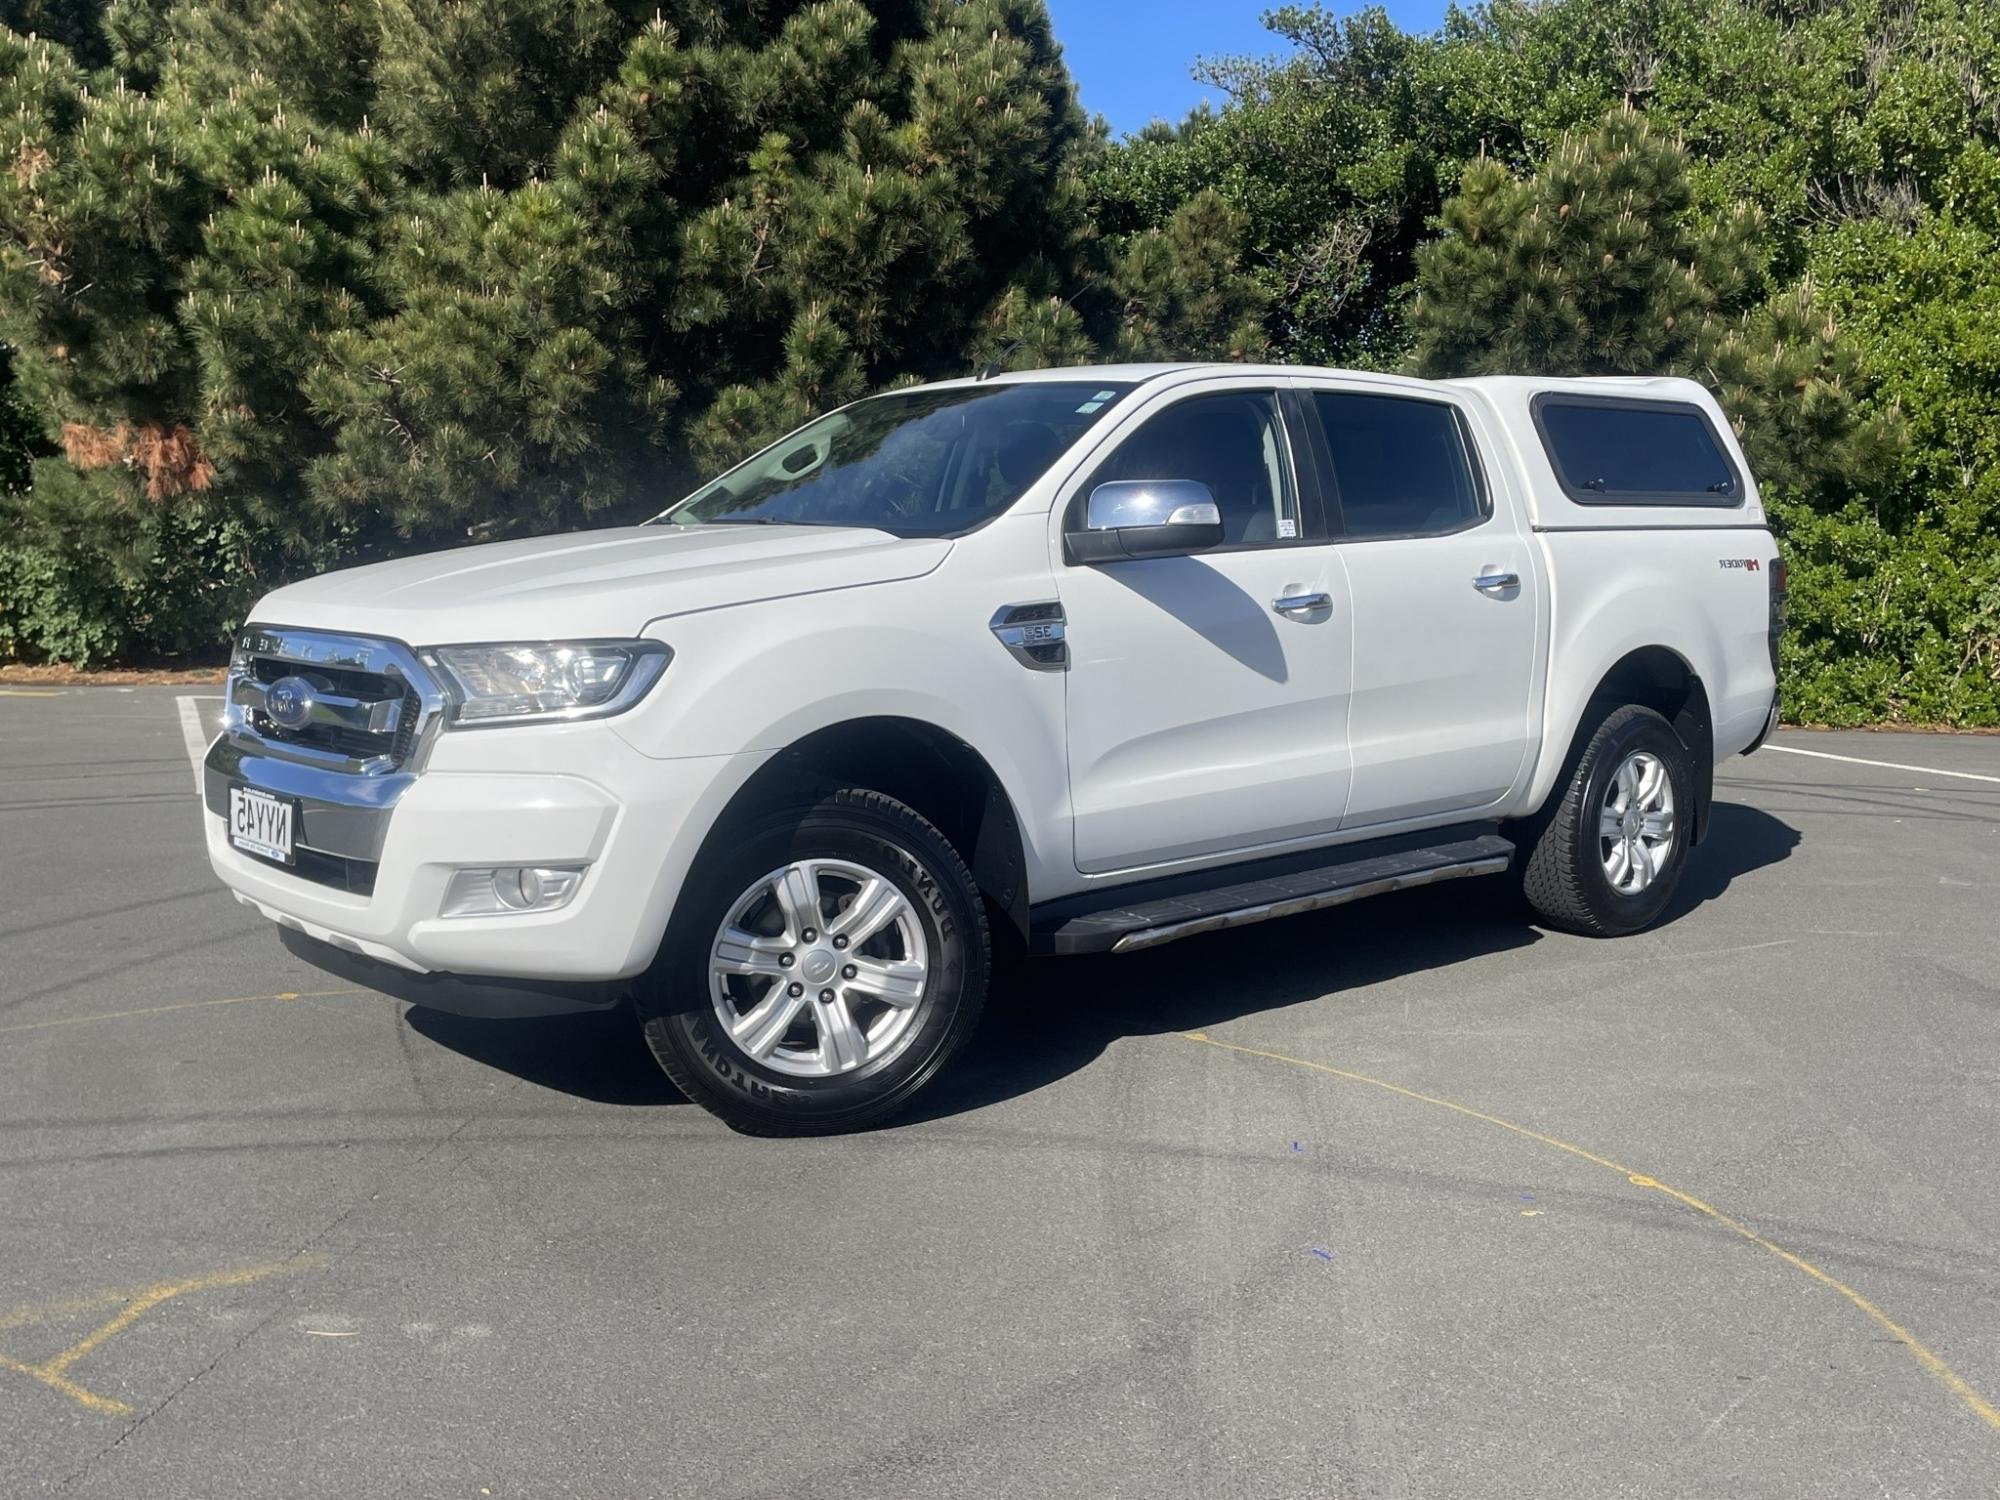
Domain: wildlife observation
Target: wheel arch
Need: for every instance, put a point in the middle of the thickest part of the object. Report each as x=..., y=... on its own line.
x=927, y=768
x=1662, y=679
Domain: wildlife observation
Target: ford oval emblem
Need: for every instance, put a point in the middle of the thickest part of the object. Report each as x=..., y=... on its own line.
x=288, y=702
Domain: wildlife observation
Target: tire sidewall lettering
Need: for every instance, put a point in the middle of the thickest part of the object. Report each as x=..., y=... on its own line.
x=928, y=892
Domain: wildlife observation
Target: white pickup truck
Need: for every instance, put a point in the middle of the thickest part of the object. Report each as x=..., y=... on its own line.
x=1072, y=661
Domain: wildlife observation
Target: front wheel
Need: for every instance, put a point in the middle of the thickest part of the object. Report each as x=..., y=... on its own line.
x=821, y=968
x=1606, y=860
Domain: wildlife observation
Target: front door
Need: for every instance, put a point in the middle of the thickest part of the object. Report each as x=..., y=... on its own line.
x=1208, y=693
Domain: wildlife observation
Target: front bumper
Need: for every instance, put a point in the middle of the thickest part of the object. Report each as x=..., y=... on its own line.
x=456, y=994
x=376, y=852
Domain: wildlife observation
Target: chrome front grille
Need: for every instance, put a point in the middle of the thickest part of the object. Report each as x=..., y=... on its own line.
x=346, y=703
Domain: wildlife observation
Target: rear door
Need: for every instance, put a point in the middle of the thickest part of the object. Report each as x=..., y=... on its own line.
x=1445, y=601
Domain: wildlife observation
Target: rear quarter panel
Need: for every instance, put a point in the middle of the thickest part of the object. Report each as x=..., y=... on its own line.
x=1692, y=579
x=1693, y=591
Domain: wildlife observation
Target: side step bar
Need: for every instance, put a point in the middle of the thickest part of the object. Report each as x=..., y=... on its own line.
x=1155, y=912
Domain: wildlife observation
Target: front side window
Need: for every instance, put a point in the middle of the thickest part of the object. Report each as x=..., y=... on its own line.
x=1235, y=444
x=1613, y=452
x=1402, y=466
x=912, y=463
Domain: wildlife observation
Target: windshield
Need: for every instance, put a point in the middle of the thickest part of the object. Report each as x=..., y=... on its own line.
x=915, y=463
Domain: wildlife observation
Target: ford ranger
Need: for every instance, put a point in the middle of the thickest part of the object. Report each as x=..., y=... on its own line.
x=1064, y=662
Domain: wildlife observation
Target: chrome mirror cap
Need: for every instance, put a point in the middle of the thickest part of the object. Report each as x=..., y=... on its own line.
x=1151, y=502
x=1131, y=518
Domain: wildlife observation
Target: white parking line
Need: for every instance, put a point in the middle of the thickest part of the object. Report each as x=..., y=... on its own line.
x=197, y=746
x=1887, y=765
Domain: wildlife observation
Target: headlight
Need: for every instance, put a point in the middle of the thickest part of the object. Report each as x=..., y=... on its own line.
x=547, y=681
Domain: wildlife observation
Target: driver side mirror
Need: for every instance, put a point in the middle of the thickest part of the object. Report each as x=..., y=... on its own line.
x=1130, y=518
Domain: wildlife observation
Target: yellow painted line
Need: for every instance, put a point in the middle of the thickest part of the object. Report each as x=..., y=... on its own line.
x=48, y=1312
x=30, y=692
x=82, y=1396
x=1933, y=1365
x=133, y=1311
x=136, y=1303
x=156, y=1010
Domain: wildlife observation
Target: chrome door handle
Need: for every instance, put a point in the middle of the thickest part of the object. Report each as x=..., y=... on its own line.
x=1301, y=604
x=1495, y=583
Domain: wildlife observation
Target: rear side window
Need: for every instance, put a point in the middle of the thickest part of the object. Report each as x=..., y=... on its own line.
x=1402, y=467
x=1612, y=452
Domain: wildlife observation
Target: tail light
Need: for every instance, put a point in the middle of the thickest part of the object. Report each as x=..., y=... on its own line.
x=1780, y=581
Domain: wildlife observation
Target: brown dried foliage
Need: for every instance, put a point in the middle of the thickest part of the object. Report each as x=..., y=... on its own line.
x=30, y=161
x=168, y=457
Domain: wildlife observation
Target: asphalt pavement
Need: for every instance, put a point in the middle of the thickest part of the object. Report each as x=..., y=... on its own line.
x=1408, y=1198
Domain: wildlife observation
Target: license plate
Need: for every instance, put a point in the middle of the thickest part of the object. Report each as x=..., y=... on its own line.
x=260, y=824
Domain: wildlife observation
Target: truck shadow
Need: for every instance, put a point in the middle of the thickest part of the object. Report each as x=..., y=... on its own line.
x=599, y=1057
x=1048, y=1019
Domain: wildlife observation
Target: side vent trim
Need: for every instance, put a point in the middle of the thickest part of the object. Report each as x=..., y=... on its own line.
x=1033, y=634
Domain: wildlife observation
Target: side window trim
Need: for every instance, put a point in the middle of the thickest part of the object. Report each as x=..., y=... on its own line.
x=1293, y=423
x=1312, y=480
x=1542, y=400
x=1336, y=516
x=1482, y=489
x=1326, y=483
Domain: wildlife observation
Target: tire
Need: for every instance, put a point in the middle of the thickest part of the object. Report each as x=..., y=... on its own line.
x=796, y=1064
x=1572, y=873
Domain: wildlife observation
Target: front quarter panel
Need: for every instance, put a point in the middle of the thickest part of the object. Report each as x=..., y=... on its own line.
x=761, y=677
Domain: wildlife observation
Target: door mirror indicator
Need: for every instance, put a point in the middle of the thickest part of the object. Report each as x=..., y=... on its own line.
x=1129, y=518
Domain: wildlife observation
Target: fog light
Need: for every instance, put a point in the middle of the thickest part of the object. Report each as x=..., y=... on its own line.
x=511, y=888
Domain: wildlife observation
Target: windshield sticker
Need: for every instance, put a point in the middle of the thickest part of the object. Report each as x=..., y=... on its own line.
x=1088, y=407
x=1287, y=529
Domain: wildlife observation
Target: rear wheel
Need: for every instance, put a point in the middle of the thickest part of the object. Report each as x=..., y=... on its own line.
x=1606, y=859
x=820, y=969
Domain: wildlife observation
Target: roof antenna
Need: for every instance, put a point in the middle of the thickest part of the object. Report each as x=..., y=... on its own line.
x=998, y=363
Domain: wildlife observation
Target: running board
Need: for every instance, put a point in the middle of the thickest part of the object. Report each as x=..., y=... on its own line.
x=1157, y=912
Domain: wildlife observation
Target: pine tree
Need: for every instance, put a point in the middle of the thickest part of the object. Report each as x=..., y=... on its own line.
x=1592, y=266
x=1182, y=292
x=1599, y=265
x=70, y=24
x=20, y=435
x=304, y=277
x=886, y=226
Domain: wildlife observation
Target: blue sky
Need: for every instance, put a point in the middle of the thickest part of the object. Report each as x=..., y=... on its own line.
x=1131, y=58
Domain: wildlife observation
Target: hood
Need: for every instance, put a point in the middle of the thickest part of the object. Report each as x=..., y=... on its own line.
x=593, y=583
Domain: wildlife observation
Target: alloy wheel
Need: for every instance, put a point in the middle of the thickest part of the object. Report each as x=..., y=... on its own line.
x=820, y=968
x=1636, y=823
